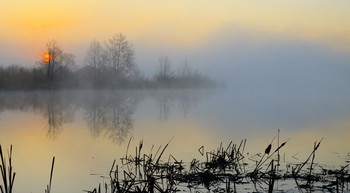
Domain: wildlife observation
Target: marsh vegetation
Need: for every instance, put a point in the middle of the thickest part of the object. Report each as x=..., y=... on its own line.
x=225, y=169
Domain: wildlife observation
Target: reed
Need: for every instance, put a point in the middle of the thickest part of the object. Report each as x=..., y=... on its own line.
x=48, y=187
x=7, y=173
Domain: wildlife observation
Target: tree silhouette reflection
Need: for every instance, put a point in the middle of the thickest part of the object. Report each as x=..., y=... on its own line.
x=58, y=112
x=107, y=113
x=111, y=114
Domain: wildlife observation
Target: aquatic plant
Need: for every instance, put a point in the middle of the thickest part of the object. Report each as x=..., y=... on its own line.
x=48, y=187
x=224, y=170
x=7, y=173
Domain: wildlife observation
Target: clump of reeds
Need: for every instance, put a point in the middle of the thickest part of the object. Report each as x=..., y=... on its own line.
x=144, y=173
x=7, y=173
x=223, y=170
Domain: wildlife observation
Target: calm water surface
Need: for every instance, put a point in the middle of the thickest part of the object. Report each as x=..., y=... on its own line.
x=87, y=130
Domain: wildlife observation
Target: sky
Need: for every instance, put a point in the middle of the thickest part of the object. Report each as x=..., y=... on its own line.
x=254, y=39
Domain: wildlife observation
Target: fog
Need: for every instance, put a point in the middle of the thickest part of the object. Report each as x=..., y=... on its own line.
x=268, y=77
x=248, y=61
x=241, y=57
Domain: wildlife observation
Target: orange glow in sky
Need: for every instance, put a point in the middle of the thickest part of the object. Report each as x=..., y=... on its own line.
x=46, y=57
x=174, y=24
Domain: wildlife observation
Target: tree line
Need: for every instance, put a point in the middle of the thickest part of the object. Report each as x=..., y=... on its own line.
x=107, y=65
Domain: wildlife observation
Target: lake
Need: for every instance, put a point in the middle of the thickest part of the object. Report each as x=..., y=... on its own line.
x=86, y=130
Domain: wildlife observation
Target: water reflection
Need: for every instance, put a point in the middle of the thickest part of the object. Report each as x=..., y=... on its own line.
x=57, y=114
x=92, y=128
x=170, y=99
x=108, y=113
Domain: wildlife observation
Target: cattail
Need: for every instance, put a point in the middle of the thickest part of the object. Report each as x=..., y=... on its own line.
x=268, y=149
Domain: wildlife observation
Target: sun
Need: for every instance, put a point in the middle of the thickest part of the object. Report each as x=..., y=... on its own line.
x=46, y=57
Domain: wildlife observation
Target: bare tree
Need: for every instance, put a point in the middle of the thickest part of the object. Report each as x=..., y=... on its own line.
x=185, y=70
x=51, y=57
x=120, y=54
x=164, y=72
x=95, y=56
x=96, y=59
x=55, y=60
x=67, y=61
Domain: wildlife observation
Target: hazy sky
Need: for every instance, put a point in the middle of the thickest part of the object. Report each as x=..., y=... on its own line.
x=217, y=37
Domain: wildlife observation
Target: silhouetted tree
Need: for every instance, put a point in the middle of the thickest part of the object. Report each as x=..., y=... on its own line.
x=185, y=70
x=95, y=58
x=95, y=55
x=51, y=56
x=164, y=72
x=120, y=55
x=55, y=61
